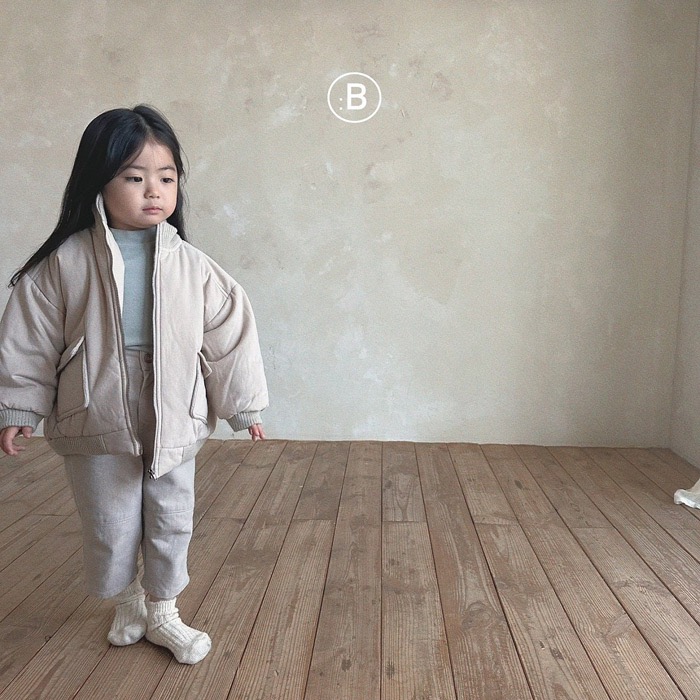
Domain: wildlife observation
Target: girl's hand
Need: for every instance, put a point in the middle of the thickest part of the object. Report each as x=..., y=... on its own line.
x=7, y=436
x=256, y=432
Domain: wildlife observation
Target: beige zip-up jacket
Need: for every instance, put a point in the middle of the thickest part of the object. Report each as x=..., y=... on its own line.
x=62, y=349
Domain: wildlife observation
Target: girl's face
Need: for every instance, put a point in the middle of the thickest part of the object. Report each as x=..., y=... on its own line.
x=144, y=193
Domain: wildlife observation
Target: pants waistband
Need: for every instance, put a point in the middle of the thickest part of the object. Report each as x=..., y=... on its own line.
x=144, y=358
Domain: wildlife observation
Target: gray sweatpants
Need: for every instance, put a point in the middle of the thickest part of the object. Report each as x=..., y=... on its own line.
x=121, y=508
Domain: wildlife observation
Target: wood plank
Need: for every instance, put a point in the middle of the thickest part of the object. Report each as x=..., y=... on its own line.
x=415, y=656
x=669, y=478
x=39, y=617
x=321, y=494
x=627, y=666
x=24, y=534
x=32, y=449
x=155, y=658
x=401, y=490
x=61, y=503
x=608, y=497
x=231, y=605
x=667, y=626
x=134, y=672
x=554, y=659
x=31, y=496
x=487, y=504
x=691, y=471
x=130, y=672
x=237, y=498
x=346, y=661
x=485, y=661
x=266, y=453
x=642, y=490
x=36, y=564
x=276, y=661
x=574, y=507
x=208, y=450
x=678, y=569
x=508, y=535
x=215, y=471
x=664, y=474
x=689, y=540
x=205, y=469
x=61, y=665
x=624, y=661
x=29, y=472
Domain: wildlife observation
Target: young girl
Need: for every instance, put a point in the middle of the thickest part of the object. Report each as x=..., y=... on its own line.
x=130, y=343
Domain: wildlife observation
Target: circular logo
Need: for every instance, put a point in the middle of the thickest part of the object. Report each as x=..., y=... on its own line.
x=354, y=97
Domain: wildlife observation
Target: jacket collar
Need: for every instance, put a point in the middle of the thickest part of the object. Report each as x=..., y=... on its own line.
x=166, y=233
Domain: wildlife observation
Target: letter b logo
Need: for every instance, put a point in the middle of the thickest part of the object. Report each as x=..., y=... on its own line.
x=356, y=93
x=354, y=97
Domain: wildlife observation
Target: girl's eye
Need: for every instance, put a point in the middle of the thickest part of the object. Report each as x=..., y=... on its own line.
x=168, y=179
x=134, y=178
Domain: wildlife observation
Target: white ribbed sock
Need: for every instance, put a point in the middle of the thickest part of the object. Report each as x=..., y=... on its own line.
x=166, y=629
x=130, y=618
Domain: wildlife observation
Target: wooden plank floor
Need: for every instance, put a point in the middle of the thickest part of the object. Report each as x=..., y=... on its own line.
x=379, y=571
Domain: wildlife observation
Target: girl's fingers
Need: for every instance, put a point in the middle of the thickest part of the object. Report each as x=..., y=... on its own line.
x=6, y=441
x=256, y=432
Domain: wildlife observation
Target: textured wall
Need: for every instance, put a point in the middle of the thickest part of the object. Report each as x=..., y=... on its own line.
x=495, y=256
x=685, y=434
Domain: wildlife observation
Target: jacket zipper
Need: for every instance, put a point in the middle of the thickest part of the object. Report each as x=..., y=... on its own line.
x=152, y=469
x=116, y=310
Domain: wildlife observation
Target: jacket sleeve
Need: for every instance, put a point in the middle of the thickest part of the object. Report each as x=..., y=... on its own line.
x=31, y=343
x=236, y=385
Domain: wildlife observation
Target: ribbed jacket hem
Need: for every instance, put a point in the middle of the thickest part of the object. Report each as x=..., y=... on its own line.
x=118, y=444
x=82, y=446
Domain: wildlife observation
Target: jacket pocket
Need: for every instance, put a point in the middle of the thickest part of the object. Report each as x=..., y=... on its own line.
x=72, y=394
x=199, y=407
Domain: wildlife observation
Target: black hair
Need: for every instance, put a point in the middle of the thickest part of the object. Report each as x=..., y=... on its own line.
x=108, y=144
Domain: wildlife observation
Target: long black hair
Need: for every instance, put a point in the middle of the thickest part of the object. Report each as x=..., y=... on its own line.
x=109, y=143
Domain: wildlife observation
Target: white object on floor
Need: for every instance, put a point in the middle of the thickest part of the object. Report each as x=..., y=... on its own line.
x=688, y=498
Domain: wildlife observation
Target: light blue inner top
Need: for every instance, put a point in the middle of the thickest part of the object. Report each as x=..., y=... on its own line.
x=138, y=250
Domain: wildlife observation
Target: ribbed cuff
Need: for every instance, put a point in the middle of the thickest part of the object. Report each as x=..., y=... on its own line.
x=12, y=417
x=241, y=421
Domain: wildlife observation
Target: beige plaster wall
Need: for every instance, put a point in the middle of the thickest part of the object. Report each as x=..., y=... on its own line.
x=495, y=256
x=685, y=426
